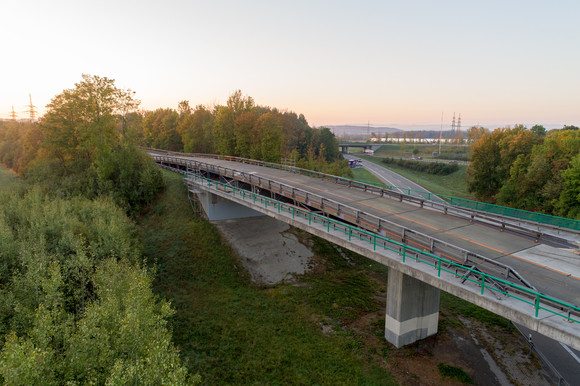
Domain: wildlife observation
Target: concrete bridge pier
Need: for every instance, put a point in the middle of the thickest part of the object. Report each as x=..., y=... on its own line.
x=412, y=309
x=218, y=208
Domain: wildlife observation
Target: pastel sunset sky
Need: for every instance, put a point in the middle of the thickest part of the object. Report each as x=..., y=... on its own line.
x=397, y=63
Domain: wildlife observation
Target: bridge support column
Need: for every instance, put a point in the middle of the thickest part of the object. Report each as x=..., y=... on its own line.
x=219, y=208
x=412, y=309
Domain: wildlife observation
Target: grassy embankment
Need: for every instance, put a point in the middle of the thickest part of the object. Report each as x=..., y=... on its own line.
x=232, y=331
x=362, y=174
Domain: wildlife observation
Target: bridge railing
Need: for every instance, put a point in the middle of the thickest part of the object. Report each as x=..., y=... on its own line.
x=521, y=214
x=468, y=209
x=349, y=214
x=498, y=286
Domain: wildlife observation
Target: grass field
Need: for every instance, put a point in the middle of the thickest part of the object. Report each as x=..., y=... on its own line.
x=424, y=150
x=450, y=185
x=362, y=174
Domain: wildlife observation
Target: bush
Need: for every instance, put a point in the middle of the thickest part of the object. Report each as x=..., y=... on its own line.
x=436, y=168
x=76, y=305
x=130, y=177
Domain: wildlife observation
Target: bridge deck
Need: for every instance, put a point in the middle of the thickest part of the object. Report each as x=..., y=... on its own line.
x=554, y=271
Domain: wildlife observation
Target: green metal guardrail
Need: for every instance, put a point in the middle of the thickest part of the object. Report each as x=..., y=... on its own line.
x=528, y=296
x=490, y=208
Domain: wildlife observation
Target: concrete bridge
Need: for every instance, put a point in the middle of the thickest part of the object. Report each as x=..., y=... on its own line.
x=345, y=146
x=522, y=270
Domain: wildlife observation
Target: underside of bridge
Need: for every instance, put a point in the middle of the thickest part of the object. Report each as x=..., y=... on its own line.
x=412, y=311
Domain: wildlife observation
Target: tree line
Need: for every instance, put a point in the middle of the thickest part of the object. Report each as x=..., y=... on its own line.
x=244, y=129
x=529, y=169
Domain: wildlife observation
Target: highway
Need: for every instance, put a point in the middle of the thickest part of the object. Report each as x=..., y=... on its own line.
x=564, y=359
x=389, y=177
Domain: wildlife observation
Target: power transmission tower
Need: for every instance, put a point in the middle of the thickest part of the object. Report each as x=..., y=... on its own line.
x=459, y=128
x=453, y=126
x=13, y=114
x=31, y=109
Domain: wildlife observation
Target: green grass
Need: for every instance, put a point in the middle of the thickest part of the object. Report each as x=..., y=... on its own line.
x=425, y=150
x=362, y=174
x=456, y=373
x=232, y=331
x=450, y=185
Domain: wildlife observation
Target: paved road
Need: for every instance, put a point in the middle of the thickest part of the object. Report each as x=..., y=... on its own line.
x=389, y=177
x=564, y=359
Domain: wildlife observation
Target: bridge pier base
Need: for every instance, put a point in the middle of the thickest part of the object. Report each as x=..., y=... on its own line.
x=218, y=208
x=412, y=309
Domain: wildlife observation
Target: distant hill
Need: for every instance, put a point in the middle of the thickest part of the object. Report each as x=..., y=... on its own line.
x=354, y=131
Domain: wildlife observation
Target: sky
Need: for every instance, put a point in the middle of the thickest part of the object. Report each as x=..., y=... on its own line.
x=396, y=63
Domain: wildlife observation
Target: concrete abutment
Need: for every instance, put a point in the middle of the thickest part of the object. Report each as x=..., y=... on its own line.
x=218, y=208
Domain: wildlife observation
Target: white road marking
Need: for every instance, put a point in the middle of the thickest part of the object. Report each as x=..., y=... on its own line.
x=570, y=352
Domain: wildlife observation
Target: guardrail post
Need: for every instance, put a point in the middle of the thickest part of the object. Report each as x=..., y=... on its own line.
x=482, y=282
x=537, y=305
x=439, y=268
x=375, y=243
x=309, y=218
x=404, y=252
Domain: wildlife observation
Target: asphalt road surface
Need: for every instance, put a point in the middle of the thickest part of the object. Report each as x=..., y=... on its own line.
x=564, y=359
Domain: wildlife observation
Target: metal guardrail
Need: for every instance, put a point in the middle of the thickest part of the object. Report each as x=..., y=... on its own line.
x=498, y=286
x=520, y=214
x=352, y=215
x=459, y=207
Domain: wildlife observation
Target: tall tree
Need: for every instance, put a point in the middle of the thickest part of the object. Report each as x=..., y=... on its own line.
x=568, y=203
x=224, y=121
x=80, y=123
